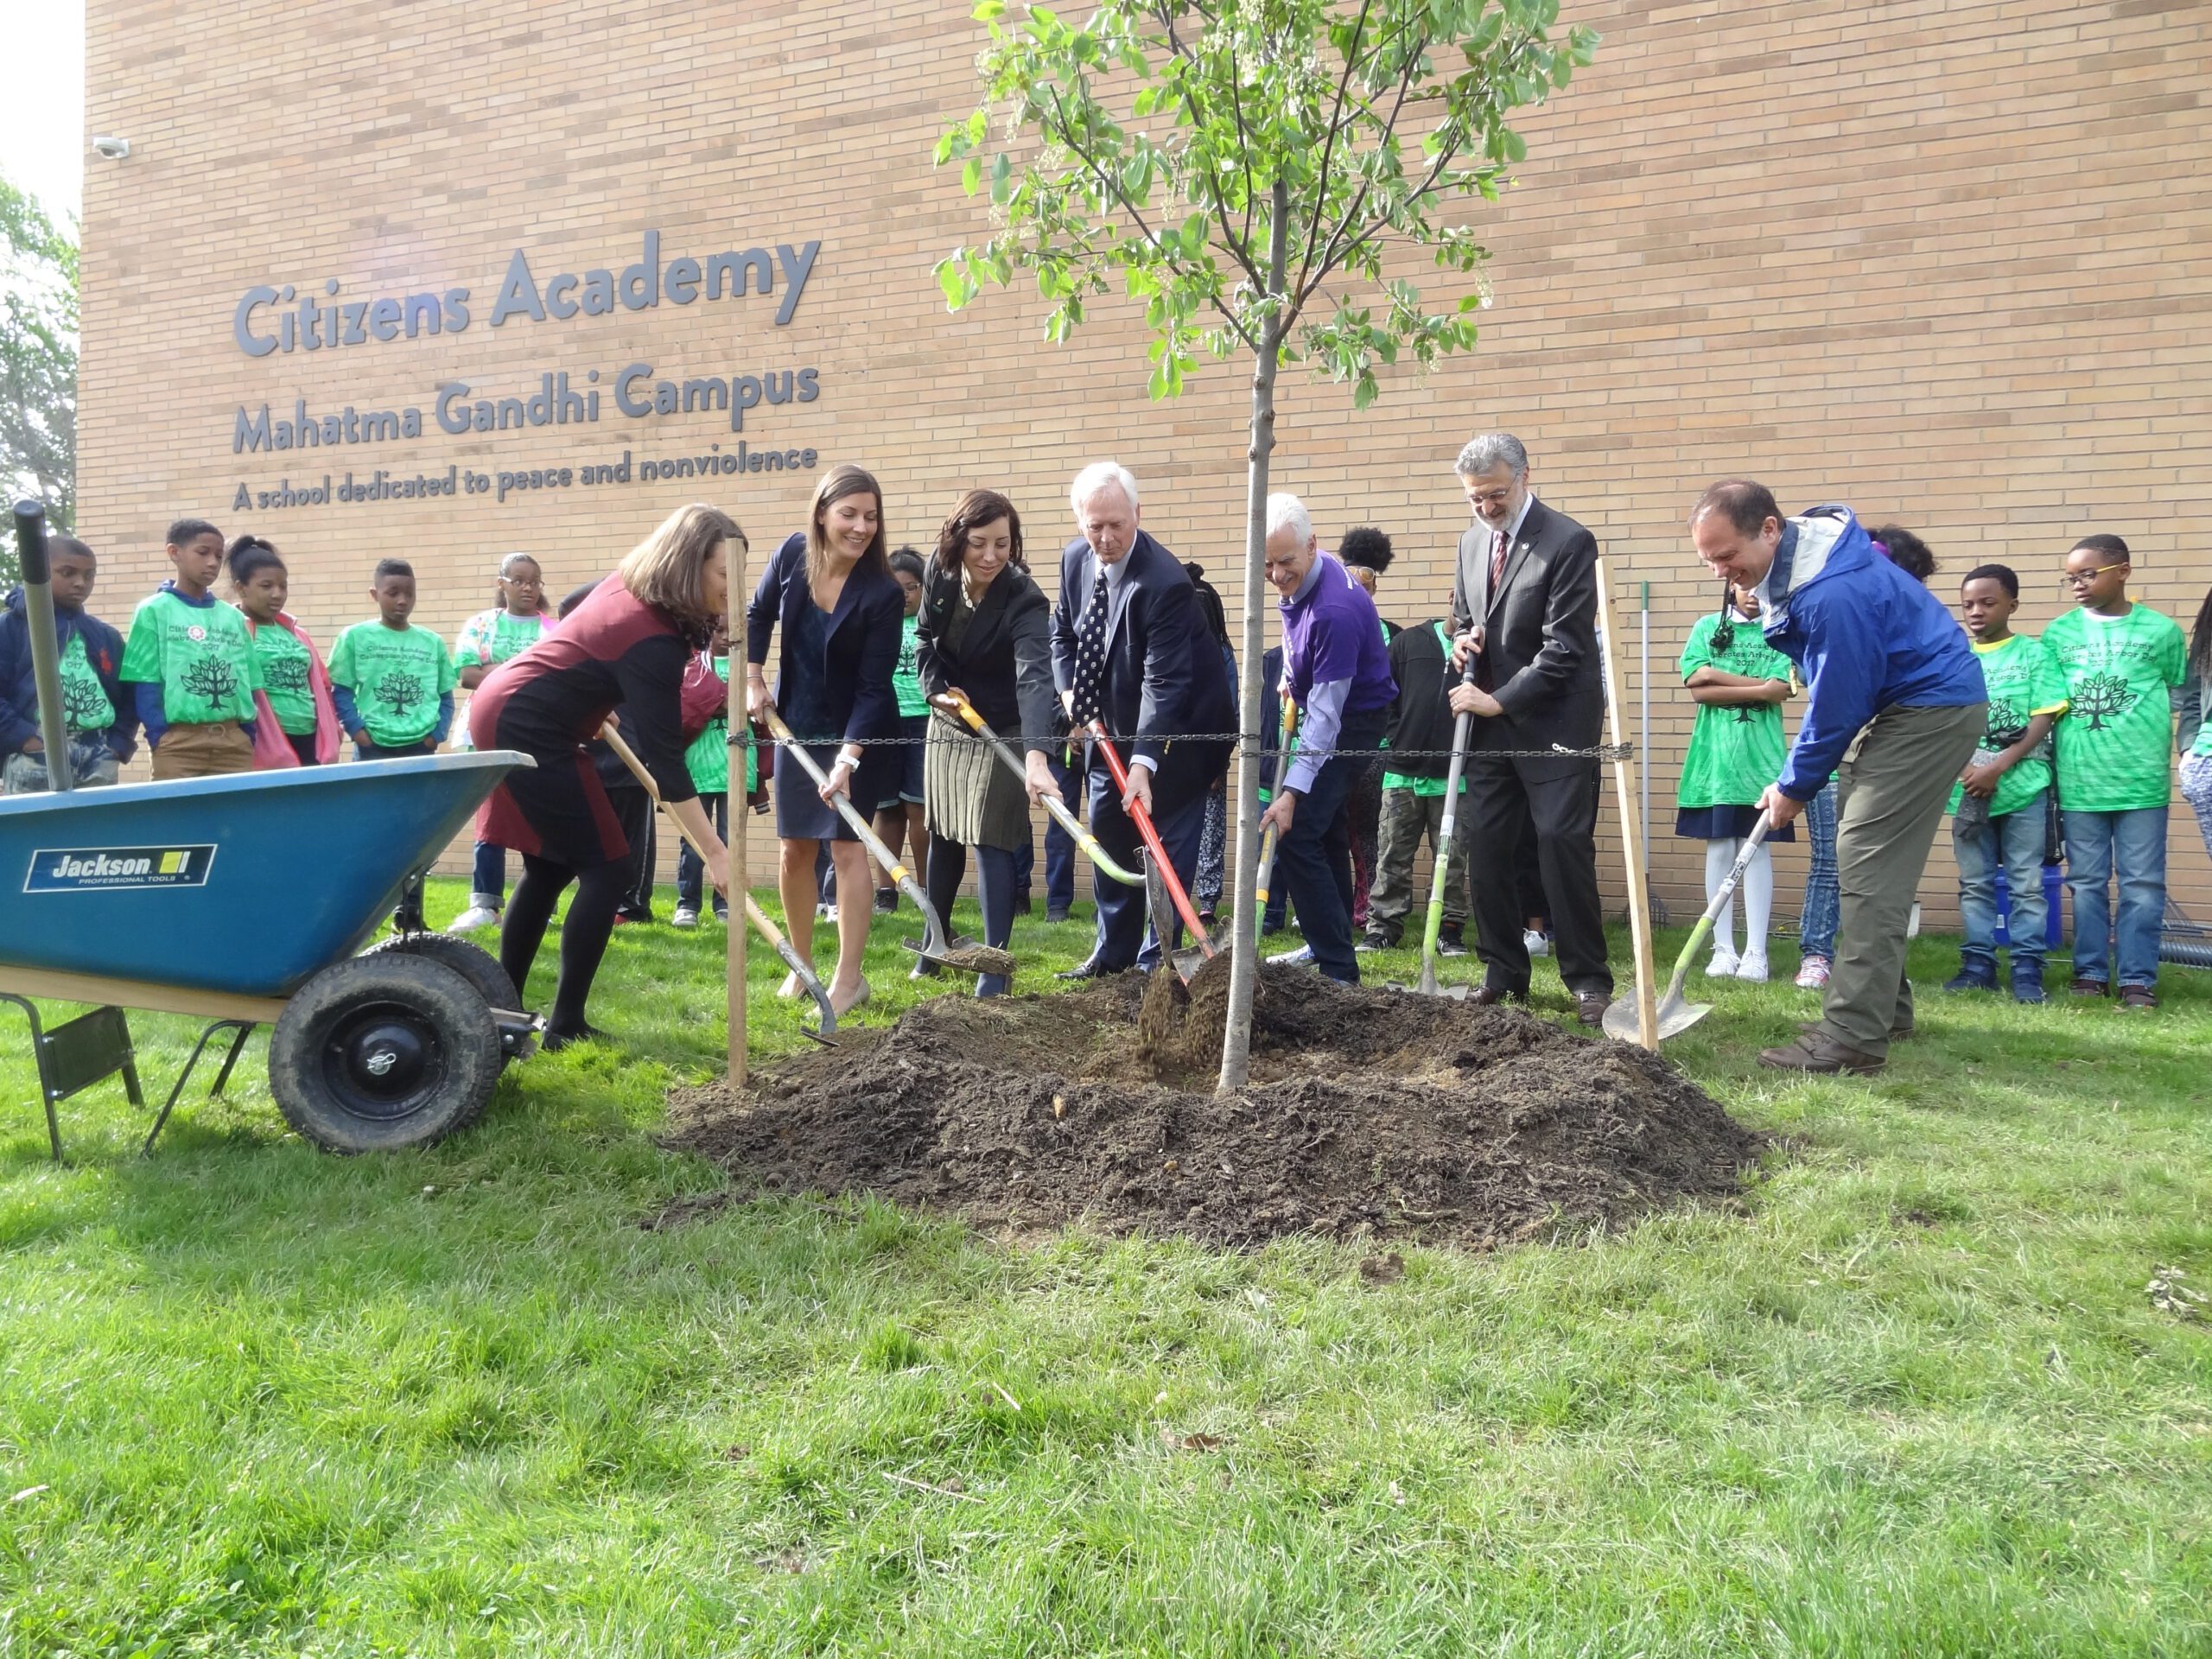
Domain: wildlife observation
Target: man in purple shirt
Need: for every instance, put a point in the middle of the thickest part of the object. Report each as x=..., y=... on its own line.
x=1337, y=671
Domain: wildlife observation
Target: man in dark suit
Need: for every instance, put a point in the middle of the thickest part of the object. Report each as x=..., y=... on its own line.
x=1524, y=609
x=1129, y=648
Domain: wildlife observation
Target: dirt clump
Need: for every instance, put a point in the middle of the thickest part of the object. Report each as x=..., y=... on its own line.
x=1371, y=1112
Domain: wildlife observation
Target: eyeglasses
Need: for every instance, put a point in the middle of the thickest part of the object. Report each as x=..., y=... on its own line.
x=2082, y=579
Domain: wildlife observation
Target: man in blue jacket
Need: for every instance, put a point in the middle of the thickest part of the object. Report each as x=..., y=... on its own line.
x=1129, y=648
x=101, y=720
x=1895, y=705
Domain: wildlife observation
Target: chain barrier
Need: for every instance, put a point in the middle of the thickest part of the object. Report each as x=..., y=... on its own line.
x=1019, y=742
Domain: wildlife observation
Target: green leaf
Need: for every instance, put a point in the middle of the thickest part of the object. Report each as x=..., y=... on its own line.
x=988, y=10
x=1002, y=176
x=1193, y=235
x=971, y=174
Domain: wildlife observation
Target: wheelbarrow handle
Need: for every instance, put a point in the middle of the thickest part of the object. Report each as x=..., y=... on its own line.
x=768, y=929
x=1142, y=818
x=956, y=702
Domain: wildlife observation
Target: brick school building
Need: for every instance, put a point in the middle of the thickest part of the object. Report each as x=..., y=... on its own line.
x=444, y=282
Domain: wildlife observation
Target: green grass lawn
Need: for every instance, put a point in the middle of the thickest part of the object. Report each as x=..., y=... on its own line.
x=1914, y=1399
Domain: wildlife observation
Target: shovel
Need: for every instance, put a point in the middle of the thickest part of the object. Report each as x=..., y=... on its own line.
x=1163, y=888
x=1676, y=1016
x=1442, y=859
x=1267, y=840
x=766, y=928
x=955, y=702
x=964, y=955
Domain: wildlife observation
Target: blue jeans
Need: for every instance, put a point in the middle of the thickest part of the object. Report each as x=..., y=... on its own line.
x=408, y=916
x=487, y=885
x=1982, y=845
x=1823, y=902
x=2132, y=846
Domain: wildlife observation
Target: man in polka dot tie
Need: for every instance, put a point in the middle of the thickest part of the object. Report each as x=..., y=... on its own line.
x=1130, y=648
x=1524, y=612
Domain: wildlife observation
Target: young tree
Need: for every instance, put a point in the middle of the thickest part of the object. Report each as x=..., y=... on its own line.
x=1258, y=174
x=38, y=359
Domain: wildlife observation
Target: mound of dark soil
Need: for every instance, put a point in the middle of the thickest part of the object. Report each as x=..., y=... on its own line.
x=1369, y=1111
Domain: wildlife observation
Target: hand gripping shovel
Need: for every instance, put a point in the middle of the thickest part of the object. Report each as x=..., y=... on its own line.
x=1442, y=852
x=964, y=956
x=1676, y=1016
x=956, y=704
x=1163, y=888
x=766, y=928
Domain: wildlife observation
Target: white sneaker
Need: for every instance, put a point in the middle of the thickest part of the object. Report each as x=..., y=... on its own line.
x=1538, y=944
x=1752, y=966
x=684, y=917
x=1812, y=973
x=1723, y=965
x=1298, y=958
x=476, y=916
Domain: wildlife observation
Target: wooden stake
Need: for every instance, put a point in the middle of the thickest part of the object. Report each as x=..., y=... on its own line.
x=734, y=930
x=1639, y=918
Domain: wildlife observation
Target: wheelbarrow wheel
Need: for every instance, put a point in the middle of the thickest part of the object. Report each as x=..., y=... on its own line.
x=473, y=963
x=383, y=1052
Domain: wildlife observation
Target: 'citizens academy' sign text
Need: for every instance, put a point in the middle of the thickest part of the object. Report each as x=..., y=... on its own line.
x=282, y=319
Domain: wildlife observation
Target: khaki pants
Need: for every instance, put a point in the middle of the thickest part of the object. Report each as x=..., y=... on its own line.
x=202, y=751
x=1407, y=818
x=1890, y=792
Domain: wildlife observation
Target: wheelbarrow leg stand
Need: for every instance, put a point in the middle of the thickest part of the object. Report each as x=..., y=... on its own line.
x=77, y=1055
x=243, y=1029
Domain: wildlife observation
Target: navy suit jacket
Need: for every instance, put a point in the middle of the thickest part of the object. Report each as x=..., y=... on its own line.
x=1164, y=677
x=860, y=654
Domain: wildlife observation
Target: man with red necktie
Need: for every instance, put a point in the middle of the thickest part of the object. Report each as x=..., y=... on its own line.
x=1524, y=609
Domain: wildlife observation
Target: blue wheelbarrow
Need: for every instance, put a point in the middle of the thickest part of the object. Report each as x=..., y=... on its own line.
x=244, y=901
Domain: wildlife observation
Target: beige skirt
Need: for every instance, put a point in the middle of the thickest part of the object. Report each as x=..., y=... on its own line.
x=971, y=796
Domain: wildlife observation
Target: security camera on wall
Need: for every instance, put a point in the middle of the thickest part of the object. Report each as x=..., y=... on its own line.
x=114, y=149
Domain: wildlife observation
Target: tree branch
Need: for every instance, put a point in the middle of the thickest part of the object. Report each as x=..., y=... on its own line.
x=1389, y=129
x=1113, y=187
x=1329, y=148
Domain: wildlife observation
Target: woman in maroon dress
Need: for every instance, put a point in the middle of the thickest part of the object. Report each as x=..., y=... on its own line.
x=625, y=646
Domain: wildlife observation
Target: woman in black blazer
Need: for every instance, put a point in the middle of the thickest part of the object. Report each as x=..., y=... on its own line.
x=830, y=590
x=986, y=631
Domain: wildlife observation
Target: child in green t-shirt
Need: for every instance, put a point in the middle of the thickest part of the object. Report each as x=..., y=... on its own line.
x=2195, y=739
x=2122, y=662
x=900, y=815
x=392, y=681
x=192, y=663
x=293, y=679
x=2000, y=810
x=393, y=685
x=1738, y=683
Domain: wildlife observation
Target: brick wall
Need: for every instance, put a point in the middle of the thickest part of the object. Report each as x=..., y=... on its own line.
x=1946, y=263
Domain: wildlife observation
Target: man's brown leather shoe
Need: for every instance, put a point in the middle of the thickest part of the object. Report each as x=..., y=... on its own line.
x=1490, y=996
x=1590, y=1007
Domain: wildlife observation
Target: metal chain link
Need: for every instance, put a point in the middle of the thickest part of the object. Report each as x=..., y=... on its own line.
x=1021, y=741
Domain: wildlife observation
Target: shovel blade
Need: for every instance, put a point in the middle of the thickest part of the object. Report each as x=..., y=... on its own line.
x=1674, y=1017
x=962, y=956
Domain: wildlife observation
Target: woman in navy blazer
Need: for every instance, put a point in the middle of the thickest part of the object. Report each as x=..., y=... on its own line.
x=830, y=590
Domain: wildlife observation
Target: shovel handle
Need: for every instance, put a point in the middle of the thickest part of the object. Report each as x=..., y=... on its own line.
x=754, y=914
x=1142, y=818
x=1719, y=901
x=955, y=702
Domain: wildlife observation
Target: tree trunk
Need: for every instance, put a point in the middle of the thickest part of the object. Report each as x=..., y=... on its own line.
x=1252, y=699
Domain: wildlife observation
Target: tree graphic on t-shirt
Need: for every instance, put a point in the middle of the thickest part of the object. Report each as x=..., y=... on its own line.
x=398, y=692
x=1746, y=714
x=84, y=704
x=2006, y=724
x=286, y=673
x=2104, y=694
x=212, y=680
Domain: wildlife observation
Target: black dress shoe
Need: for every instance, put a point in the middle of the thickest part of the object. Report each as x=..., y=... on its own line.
x=1490, y=996
x=1091, y=969
x=1590, y=1007
x=1022, y=905
x=1056, y=913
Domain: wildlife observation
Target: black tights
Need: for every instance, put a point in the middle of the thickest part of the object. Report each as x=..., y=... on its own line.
x=994, y=885
x=583, y=934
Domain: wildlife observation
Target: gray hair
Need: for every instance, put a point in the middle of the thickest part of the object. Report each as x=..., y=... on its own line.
x=1096, y=477
x=1286, y=512
x=1486, y=449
